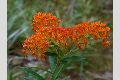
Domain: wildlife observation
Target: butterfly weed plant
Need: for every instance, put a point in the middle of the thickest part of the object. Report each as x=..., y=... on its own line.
x=55, y=43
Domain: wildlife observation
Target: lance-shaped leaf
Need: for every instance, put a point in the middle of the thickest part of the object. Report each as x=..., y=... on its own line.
x=32, y=73
x=58, y=71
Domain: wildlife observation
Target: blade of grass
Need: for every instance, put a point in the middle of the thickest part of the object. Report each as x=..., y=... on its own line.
x=15, y=36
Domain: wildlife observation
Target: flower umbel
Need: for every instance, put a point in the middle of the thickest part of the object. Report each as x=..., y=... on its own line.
x=42, y=20
x=46, y=30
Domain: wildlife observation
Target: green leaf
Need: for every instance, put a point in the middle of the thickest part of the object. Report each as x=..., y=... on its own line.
x=14, y=36
x=50, y=54
x=81, y=66
x=58, y=71
x=25, y=78
x=10, y=76
x=72, y=58
x=12, y=20
x=32, y=73
x=52, y=61
x=58, y=50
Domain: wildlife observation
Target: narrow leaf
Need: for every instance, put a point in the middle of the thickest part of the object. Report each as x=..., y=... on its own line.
x=32, y=73
x=72, y=58
x=10, y=76
x=52, y=61
x=50, y=54
x=58, y=71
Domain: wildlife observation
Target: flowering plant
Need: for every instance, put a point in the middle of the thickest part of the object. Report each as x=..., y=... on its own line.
x=50, y=39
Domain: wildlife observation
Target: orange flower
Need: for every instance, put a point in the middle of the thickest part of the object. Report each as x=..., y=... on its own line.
x=42, y=20
x=36, y=42
x=46, y=30
x=105, y=43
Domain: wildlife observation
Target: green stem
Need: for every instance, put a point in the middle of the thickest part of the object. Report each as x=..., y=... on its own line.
x=81, y=66
x=58, y=71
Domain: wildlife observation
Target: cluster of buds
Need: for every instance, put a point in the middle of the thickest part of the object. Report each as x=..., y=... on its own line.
x=46, y=30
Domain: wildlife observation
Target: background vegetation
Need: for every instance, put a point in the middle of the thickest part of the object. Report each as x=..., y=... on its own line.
x=20, y=14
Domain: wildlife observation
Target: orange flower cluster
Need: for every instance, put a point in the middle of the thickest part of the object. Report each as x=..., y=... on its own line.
x=42, y=20
x=46, y=27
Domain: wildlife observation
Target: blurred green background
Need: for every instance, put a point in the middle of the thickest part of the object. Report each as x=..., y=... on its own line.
x=71, y=12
